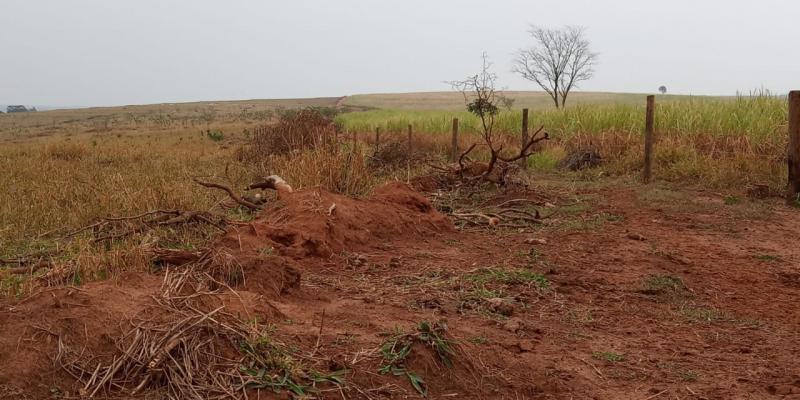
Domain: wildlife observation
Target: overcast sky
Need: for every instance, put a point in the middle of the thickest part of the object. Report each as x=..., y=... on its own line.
x=114, y=52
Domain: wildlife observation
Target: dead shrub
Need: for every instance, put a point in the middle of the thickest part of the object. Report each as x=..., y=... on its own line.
x=66, y=151
x=294, y=132
x=390, y=155
x=579, y=159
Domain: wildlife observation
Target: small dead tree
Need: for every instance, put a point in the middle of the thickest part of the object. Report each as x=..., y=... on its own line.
x=557, y=61
x=483, y=99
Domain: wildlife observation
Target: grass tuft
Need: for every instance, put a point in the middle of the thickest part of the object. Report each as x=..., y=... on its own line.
x=608, y=356
x=396, y=350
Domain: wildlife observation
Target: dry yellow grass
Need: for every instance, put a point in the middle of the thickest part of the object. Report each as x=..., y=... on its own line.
x=61, y=170
x=57, y=180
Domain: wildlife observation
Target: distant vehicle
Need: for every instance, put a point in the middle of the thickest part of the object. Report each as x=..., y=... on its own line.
x=16, y=109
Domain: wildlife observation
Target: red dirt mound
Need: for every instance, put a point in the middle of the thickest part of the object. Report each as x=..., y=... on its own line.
x=261, y=259
x=91, y=315
x=317, y=223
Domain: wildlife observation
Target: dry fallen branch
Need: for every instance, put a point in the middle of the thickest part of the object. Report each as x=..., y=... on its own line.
x=28, y=269
x=230, y=193
x=111, y=228
x=506, y=214
x=177, y=348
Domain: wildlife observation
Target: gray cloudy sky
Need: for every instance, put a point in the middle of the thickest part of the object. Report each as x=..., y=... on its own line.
x=112, y=52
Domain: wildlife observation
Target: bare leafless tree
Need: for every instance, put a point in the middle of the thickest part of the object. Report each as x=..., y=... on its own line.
x=483, y=99
x=557, y=61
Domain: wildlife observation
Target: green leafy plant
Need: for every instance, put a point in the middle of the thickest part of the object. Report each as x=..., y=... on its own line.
x=731, y=200
x=215, y=136
x=767, y=257
x=397, y=348
x=271, y=366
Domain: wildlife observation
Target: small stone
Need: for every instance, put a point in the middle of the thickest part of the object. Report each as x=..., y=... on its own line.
x=549, y=205
x=525, y=346
x=494, y=302
x=394, y=262
x=500, y=306
x=536, y=241
x=682, y=260
x=357, y=260
x=514, y=325
x=783, y=390
x=636, y=236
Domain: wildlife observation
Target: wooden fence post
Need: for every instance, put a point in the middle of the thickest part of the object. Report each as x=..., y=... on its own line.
x=793, y=188
x=523, y=162
x=648, y=138
x=454, y=144
x=409, y=139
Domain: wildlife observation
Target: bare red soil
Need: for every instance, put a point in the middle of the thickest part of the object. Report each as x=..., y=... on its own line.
x=682, y=297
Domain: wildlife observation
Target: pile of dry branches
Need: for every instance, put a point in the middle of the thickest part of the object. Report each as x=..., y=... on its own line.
x=516, y=213
x=178, y=347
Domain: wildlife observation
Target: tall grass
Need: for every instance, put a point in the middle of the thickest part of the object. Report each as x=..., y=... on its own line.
x=717, y=142
x=761, y=118
x=53, y=185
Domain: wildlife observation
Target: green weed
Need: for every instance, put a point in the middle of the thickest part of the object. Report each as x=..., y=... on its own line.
x=768, y=257
x=688, y=375
x=731, y=200
x=608, y=356
x=396, y=349
x=661, y=284
x=479, y=340
x=271, y=366
x=215, y=135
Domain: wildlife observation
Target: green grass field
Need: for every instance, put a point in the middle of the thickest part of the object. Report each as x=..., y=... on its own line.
x=761, y=119
x=536, y=100
x=719, y=141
